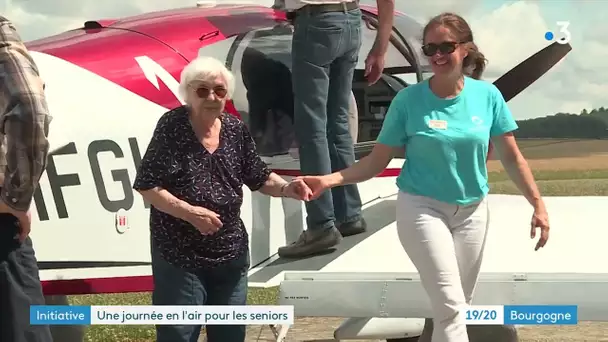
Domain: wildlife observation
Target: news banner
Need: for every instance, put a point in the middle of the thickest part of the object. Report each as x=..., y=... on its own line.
x=268, y=314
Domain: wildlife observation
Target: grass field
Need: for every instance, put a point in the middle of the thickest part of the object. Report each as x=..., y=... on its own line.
x=574, y=168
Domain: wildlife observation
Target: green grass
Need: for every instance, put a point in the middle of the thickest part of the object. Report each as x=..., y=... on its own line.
x=558, y=175
x=551, y=183
x=556, y=183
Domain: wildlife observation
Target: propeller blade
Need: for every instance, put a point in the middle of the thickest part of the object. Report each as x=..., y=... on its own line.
x=527, y=72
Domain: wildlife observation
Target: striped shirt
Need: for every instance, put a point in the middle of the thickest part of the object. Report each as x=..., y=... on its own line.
x=24, y=121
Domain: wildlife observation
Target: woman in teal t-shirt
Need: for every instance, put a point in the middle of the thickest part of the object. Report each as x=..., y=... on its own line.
x=444, y=125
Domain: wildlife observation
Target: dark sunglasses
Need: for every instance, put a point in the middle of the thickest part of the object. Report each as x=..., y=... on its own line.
x=444, y=48
x=203, y=92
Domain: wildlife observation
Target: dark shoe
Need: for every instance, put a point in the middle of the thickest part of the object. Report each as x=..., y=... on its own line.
x=353, y=228
x=311, y=242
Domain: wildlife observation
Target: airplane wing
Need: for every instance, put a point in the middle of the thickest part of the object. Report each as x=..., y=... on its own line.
x=370, y=275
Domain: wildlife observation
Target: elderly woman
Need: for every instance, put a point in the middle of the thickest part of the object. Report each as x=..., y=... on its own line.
x=192, y=174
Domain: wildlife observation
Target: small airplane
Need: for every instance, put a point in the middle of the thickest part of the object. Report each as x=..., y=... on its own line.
x=107, y=84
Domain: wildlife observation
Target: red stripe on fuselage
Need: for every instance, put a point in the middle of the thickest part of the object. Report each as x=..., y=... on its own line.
x=389, y=172
x=98, y=285
x=170, y=38
x=110, y=53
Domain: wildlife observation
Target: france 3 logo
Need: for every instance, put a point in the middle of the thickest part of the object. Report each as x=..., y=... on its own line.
x=563, y=29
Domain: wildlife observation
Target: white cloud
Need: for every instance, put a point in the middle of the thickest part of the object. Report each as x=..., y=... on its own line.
x=594, y=90
x=594, y=56
x=506, y=36
x=574, y=107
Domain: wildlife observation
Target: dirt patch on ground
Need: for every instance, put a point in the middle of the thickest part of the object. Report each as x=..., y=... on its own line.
x=595, y=162
x=548, y=154
x=549, y=149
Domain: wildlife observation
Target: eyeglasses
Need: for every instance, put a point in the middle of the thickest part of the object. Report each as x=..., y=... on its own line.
x=445, y=48
x=203, y=92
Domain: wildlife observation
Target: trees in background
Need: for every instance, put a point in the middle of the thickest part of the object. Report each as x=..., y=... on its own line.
x=586, y=125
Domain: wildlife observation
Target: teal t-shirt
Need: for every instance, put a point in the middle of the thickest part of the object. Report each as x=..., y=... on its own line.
x=446, y=140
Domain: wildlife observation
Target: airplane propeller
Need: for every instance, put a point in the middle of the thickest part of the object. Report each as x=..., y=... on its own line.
x=527, y=72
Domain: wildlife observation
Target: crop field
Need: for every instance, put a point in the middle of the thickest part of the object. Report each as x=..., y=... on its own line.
x=561, y=167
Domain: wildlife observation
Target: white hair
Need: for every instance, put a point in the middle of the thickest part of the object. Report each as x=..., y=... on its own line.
x=205, y=69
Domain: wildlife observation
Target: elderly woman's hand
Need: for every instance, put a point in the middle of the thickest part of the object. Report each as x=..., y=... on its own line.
x=316, y=184
x=204, y=220
x=298, y=189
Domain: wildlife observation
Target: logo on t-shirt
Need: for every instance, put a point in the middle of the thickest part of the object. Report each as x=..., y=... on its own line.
x=438, y=124
x=477, y=123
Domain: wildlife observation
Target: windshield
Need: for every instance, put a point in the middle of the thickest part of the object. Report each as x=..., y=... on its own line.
x=393, y=58
x=411, y=30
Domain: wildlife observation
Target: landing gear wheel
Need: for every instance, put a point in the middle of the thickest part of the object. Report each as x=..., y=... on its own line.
x=405, y=339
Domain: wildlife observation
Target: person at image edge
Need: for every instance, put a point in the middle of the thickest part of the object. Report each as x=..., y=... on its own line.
x=25, y=121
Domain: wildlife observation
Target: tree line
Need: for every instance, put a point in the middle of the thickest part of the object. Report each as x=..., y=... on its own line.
x=586, y=125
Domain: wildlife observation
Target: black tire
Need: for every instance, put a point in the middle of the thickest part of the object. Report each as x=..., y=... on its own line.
x=404, y=339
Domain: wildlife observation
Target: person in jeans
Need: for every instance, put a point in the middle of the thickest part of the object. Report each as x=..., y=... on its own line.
x=353, y=125
x=24, y=120
x=442, y=126
x=193, y=174
x=325, y=51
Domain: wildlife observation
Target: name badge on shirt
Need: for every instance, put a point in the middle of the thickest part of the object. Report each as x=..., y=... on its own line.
x=438, y=124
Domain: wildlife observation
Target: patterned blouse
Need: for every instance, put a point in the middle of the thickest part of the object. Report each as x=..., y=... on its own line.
x=177, y=162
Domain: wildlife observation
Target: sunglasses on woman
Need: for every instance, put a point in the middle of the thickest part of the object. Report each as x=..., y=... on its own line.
x=445, y=48
x=203, y=92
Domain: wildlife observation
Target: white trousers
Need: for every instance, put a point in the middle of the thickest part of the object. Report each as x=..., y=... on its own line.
x=445, y=242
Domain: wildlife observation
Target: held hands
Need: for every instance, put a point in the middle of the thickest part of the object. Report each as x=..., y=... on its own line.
x=208, y=222
x=297, y=189
x=540, y=219
x=315, y=184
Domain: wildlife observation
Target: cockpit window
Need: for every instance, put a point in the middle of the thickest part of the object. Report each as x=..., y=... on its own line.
x=411, y=30
x=393, y=58
x=219, y=50
x=266, y=91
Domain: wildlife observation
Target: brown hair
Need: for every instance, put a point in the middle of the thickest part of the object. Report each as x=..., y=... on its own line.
x=475, y=60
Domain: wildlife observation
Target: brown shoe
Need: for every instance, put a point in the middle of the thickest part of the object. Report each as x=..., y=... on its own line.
x=353, y=228
x=311, y=242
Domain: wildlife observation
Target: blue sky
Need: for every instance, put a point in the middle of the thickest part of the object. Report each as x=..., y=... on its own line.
x=506, y=31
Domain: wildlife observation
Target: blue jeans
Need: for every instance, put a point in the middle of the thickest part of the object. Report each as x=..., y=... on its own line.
x=19, y=286
x=225, y=285
x=325, y=52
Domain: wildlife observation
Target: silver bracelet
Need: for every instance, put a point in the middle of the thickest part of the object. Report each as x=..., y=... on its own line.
x=283, y=187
